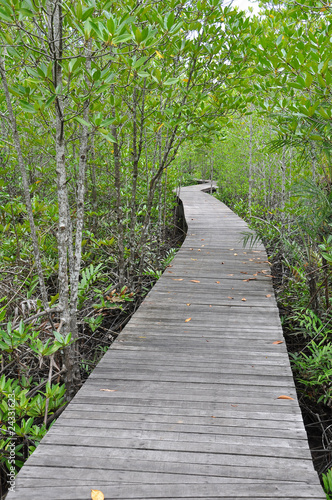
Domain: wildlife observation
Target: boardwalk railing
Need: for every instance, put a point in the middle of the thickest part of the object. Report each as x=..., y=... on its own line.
x=186, y=402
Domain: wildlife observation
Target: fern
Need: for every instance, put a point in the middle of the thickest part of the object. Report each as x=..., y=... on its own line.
x=89, y=275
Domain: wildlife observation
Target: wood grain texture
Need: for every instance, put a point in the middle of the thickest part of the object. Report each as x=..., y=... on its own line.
x=187, y=409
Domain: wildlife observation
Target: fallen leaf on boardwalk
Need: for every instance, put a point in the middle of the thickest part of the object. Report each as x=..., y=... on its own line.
x=203, y=245
x=142, y=337
x=97, y=495
x=213, y=416
x=230, y=297
x=199, y=250
x=180, y=422
x=235, y=254
x=202, y=239
x=230, y=274
x=177, y=279
x=243, y=272
x=170, y=271
x=108, y=390
x=188, y=304
x=222, y=263
x=231, y=248
x=234, y=406
x=244, y=299
x=210, y=305
x=218, y=282
x=195, y=281
x=193, y=259
x=278, y=342
x=186, y=320
x=250, y=279
x=284, y=397
x=268, y=295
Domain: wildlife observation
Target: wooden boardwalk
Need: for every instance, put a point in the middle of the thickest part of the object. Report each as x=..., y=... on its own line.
x=185, y=402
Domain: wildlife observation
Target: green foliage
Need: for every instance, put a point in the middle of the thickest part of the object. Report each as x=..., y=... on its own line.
x=21, y=415
x=327, y=482
x=312, y=364
x=89, y=276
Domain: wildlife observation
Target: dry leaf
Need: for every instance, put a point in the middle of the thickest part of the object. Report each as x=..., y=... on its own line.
x=230, y=297
x=231, y=248
x=195, y=281
x=243, y=299
x=97, y=495
x=186, y=320
x=199, y=250
x=202, y=239
x=210, y=305
x=278, y=342
x=142, y=337
x=284, y=397
x=234, y=406
x=188, y=304
x=170, y=272
x=177, y=279
x=268, y=295
x=243, y=272
x=193, y=259
x=180, y=422
x=108, y=390
x=218, y=282
x=230, y=274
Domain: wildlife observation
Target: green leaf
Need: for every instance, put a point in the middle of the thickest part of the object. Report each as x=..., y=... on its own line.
x=5, y=16
x=29, y=108
x=87, y=13
x=308, y=80
x=110, y=138
x=171, y=81
x=122, y=38
x=143, y=74
x=83, y=122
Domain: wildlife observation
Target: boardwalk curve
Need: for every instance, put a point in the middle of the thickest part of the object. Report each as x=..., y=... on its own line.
x=184, y=404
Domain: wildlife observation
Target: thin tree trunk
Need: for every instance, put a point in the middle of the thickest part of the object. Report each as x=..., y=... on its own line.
x=83, y=155
x=118, y=207
x=71, y=375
